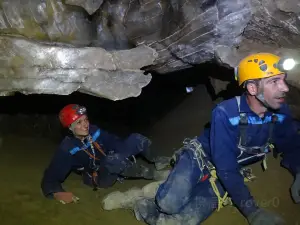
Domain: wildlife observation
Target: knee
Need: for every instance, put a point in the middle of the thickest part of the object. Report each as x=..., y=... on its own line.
x=184, y=155
x=136, y=137
x=138, y=141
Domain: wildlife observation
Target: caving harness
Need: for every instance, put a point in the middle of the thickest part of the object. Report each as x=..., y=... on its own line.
x=93, y=158
x=254, y=151
x=205, y=166
x=90, y=142
x=204, y=163
x=93, y=170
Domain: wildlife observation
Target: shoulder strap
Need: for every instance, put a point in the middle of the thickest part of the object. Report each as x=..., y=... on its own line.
x=238, y=100
x=271, y=128
x=243, y=123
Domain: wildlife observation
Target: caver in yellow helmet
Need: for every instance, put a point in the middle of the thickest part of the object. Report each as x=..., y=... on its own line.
x=262, y=65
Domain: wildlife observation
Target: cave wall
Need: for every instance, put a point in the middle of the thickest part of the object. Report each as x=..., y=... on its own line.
x=187, y=120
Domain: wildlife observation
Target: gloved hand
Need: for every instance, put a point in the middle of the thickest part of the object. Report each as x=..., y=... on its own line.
x=65, y=197
x=295, y=189
x=264, y=217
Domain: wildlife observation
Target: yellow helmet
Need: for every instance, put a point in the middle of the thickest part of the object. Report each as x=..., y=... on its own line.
x=262, y=65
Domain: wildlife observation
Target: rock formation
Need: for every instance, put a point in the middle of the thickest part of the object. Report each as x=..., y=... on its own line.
x=104, y=47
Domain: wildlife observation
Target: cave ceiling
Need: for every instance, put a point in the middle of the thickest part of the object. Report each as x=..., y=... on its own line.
x=105, y=47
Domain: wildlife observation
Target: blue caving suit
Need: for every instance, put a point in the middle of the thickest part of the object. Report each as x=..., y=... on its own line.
x=73, y=155
x=185, y=198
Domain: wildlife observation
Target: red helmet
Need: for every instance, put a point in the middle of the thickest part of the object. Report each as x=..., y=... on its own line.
x=70, y=113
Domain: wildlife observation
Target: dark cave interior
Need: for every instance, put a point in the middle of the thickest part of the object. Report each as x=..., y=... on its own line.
x=164, y=92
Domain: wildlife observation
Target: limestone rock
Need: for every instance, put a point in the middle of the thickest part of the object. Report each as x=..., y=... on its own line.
x=32, y=67
x=88, y=44
x=90, y=6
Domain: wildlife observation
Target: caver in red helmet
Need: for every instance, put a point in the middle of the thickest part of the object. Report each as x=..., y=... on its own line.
x=70, y=113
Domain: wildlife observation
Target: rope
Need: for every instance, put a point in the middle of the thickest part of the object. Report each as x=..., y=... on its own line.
x=226, y=200
x=222, y=201
x=196, y=147
x=199, y=154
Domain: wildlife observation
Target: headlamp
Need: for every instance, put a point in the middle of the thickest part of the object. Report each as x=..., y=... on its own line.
x=81, y=110
x=286, y=64
x=189, y=89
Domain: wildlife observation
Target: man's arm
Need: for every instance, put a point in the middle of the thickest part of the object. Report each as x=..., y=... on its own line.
x=56, y=173
x=223, y=143
x=287, y=141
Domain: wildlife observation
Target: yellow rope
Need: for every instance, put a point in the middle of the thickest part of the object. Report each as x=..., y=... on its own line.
x=225, y=200
x=221, y=200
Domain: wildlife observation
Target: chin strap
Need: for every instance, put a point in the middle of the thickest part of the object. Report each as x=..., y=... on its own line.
x=260, y=97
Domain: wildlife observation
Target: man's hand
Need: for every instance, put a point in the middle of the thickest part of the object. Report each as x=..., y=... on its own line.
x=264, y=217
x=295, y=189
x=65, y=197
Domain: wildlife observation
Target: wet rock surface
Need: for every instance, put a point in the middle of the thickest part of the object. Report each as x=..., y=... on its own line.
x=178, y=33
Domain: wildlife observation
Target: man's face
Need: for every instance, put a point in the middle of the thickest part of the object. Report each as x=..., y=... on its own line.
x=274, y=90
x=81, y=126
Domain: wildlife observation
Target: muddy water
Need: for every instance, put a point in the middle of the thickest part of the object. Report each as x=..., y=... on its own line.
x=22, y=161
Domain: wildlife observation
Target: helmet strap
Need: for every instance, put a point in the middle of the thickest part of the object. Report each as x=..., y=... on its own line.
x=260, y=97
x=72, y=126
x=260, y=93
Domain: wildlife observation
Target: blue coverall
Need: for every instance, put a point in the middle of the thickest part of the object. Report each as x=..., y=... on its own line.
x=184, y=199
x=70, y=156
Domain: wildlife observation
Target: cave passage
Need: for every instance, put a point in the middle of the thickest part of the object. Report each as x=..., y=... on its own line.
x=165, y=112
x=163, y=94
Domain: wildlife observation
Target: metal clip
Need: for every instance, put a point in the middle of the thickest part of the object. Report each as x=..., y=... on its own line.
x=247, y=174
